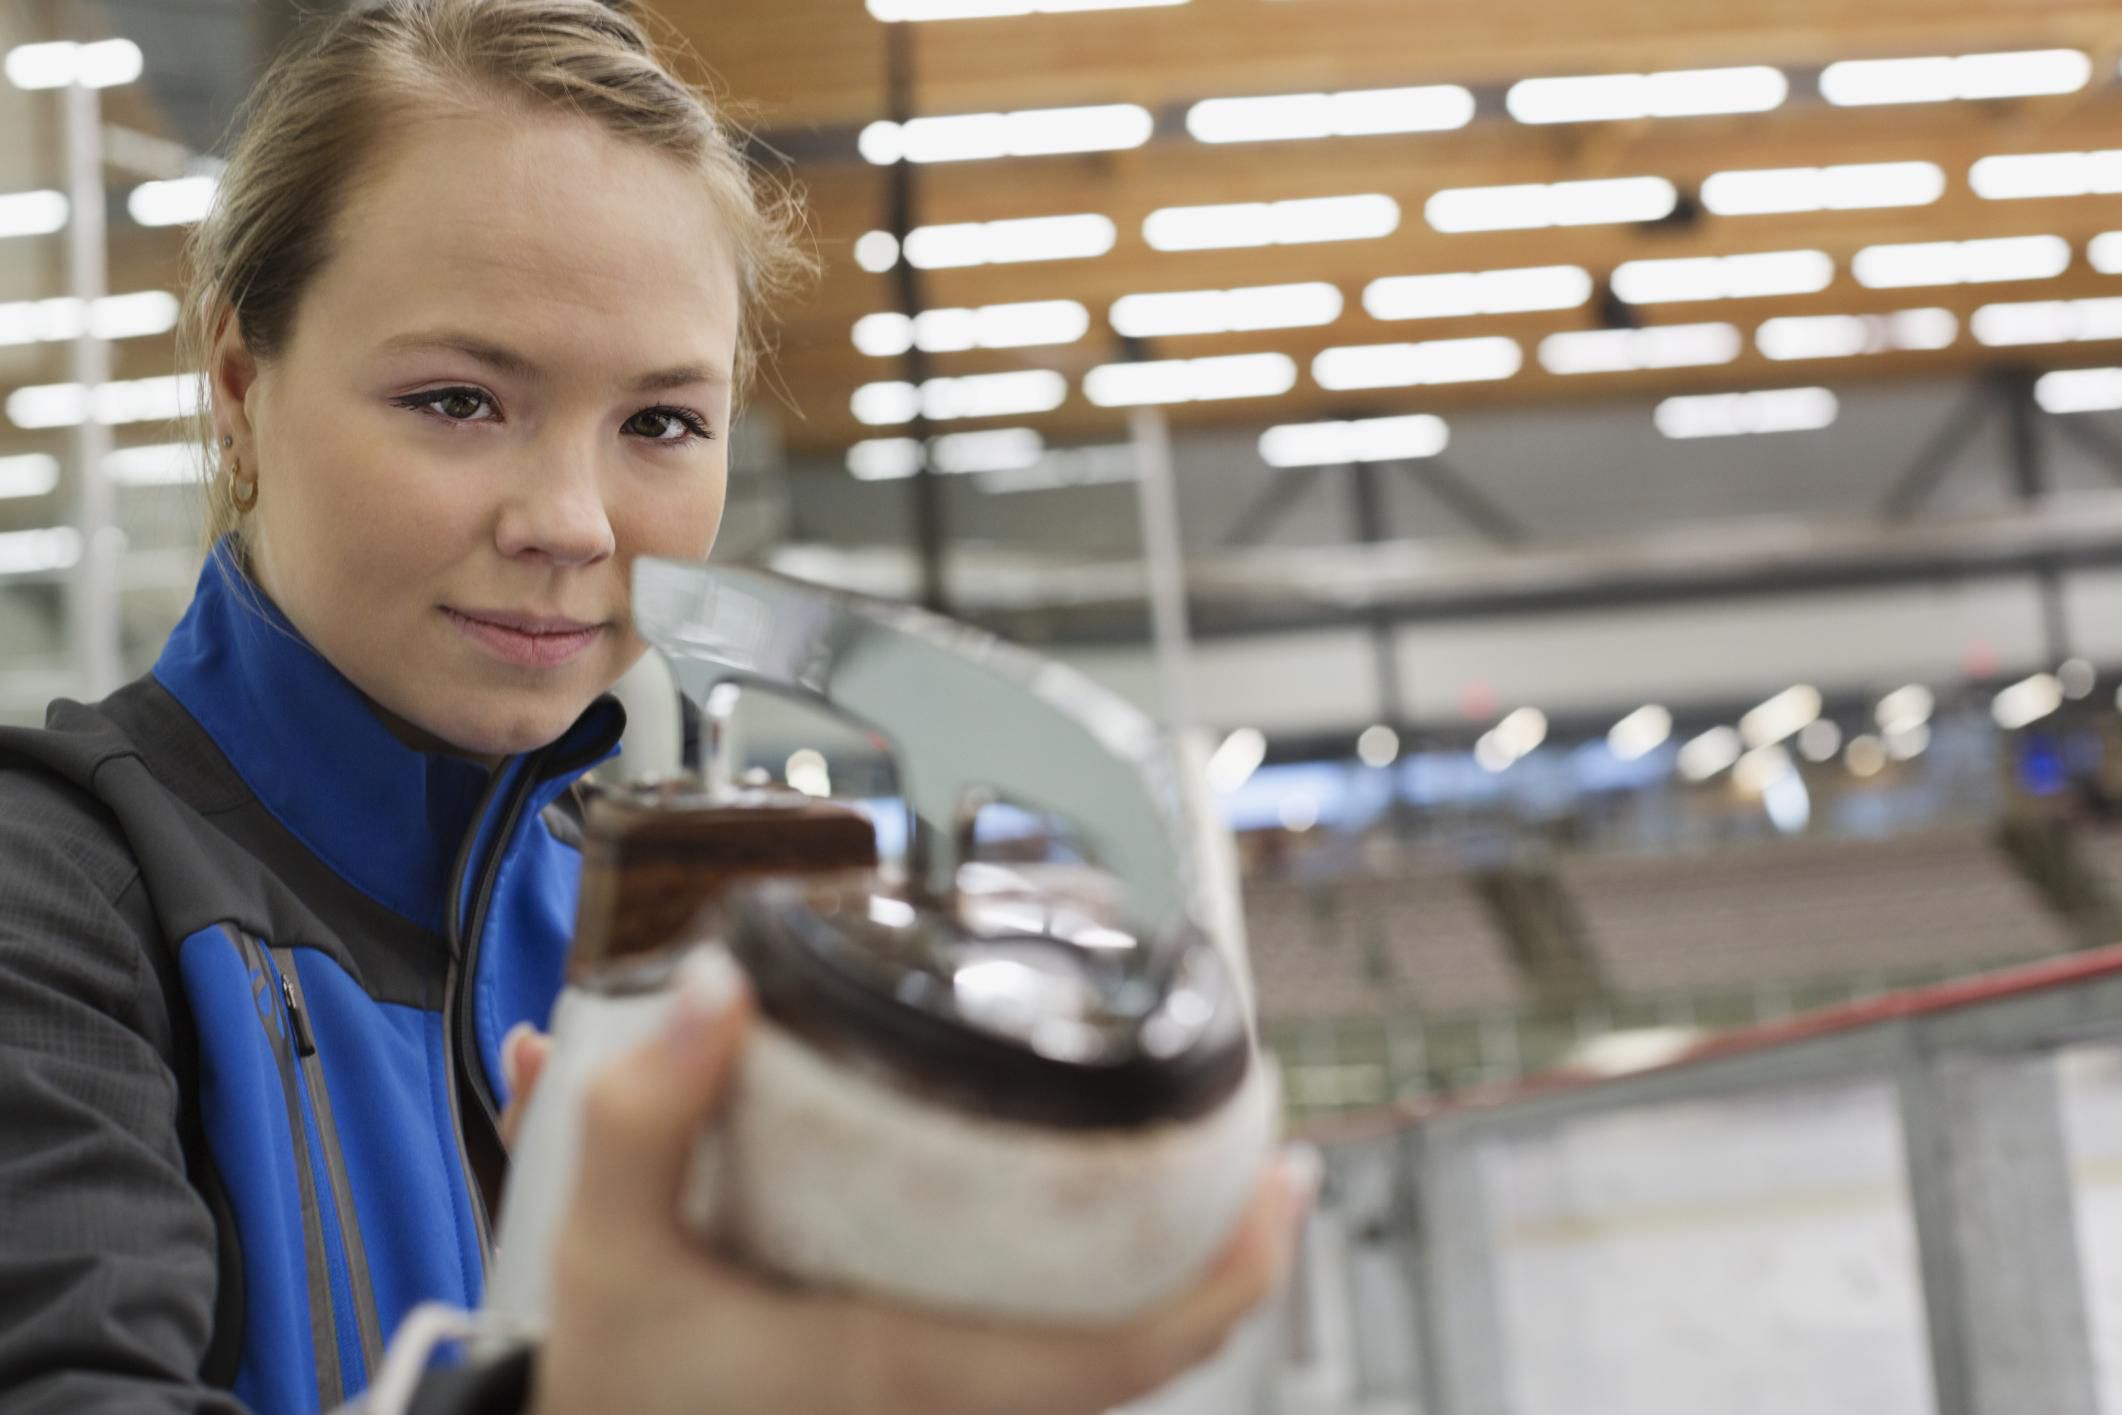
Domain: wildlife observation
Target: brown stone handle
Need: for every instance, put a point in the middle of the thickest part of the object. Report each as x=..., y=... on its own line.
x=657, y=860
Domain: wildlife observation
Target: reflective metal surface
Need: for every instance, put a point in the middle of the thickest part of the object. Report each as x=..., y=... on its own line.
x=966, y=718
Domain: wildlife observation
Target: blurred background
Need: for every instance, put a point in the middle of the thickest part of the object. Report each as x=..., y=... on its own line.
x=1631, y=493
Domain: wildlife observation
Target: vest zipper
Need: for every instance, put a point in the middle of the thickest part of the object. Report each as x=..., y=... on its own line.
x=323, y=1314
x=298, y=1023
x=368, y=1326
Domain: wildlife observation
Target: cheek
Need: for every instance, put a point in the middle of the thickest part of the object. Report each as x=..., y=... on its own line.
x=367, y=522
x=675, y=519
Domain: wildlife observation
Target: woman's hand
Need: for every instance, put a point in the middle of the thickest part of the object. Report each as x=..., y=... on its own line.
x=523, y=1053
x=645, y=1321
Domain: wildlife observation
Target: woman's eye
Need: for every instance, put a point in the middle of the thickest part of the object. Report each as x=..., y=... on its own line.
x=457, y=405
x=666, y=425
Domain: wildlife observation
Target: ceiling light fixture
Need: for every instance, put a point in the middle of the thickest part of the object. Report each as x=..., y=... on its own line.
x=1358, y=113
x=2027, y=701
x=1680, y=93
x=1035, y=238
x=155, y=464
x=2047, y=322
x=1627, y=350
x=1740, y=414
x=2047, y=174
x=1531, y=206
x=1732, y=277
x=1640, y=733
x=1841, y=336
x=1183, y=312
x=1848, y=187
x=916, y=11
x=2020, y=74
x=181, y=201
x=133, y=401
x=145, y=312
x=980, y=395
x=1139, y=383
x=1332, y=444
x=30, y=474
x=62, y=64
x=945, y=331
x=1034, y=132
x=1281, y=223
x=32, y=213
x=1408, y=365
x=1890, y=267
x=2080, y=390
x=1455, y=296
x=1704, y=756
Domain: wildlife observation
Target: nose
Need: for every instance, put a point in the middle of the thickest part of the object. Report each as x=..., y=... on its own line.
x=556, y=512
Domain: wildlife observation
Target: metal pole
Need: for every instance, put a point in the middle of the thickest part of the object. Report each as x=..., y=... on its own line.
x=1163, y=558
x=927, y=490
x=1370, y=522
x=1218, y=890
x=1458, y=1282
x=1990, y=1189
x=1914, y=484
x=1471, y=504
x=2029, y=473
x=1406, y=1057
x=92, y=603
x=1368, y=525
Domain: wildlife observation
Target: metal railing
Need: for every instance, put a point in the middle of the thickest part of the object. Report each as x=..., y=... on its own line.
x=1907, y=1204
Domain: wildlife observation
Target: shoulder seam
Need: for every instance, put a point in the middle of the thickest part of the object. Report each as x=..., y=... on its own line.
x=102, y=835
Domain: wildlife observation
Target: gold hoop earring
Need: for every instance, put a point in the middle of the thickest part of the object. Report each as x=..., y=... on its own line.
x=242, y=491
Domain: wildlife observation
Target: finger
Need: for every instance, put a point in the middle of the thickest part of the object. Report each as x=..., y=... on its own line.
x=648, y=1108
x=512, y=1057
x=927, y=1363
x=531, y=1050
x=523, y=1052
x=1252, y=1266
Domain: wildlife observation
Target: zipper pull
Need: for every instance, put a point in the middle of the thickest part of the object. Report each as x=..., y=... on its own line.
x=305, y=1042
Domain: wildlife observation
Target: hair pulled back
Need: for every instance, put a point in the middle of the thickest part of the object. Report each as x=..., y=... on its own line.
x=327, y=108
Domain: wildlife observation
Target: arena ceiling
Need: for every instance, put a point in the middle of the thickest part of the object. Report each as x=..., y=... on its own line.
x=815, y=74
x=819, y=73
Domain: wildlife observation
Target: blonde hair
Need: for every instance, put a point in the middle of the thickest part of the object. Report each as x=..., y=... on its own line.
x=326, y=108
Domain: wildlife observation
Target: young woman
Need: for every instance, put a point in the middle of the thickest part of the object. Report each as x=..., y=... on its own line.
x=478, y=291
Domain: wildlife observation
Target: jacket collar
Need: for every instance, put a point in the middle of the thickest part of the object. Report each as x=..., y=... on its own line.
x=389, y=819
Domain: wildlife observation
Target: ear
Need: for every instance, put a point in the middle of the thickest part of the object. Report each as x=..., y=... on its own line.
x=231, y=373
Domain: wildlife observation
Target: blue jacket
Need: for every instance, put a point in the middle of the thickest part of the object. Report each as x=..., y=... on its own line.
x=256, y=961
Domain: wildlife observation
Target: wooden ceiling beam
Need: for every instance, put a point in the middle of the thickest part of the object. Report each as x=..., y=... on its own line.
x=829, y=315
x=846, y=199
x=824, y=366
x=819, y=432
x=821, y=62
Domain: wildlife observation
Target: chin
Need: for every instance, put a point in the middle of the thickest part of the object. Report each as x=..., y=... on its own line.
x=507, y=729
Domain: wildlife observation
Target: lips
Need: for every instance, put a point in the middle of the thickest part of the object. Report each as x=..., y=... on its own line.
x=525, y=640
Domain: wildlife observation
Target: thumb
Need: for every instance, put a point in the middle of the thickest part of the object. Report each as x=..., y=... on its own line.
x=646, y=1112
x=523, y=1053
x=522, y=1058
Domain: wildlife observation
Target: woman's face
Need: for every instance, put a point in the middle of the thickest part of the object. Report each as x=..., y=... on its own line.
x=510, y=378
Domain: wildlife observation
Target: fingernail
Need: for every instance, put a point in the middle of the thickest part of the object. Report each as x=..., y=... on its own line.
x=511, y=1063
x=707, y=985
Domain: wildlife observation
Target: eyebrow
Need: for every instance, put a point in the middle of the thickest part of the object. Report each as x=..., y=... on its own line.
x=515, y=365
